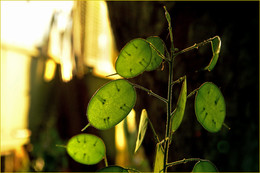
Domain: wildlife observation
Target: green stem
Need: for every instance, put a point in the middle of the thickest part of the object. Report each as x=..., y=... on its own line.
x=192, y=93
x=150, y=92
x=225, y=125
x=157, y=51
x=154, y=132
x=195, y=46
x=169, y=110
x=105, y=159
x=86, y=127
x=184, y=161
x=62, y=146
x=168, y=18
x=178, y=80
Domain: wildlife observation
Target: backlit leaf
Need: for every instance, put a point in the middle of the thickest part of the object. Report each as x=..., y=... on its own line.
x=142, y=129
x=215, y=45
x=111, y=104
x=156, y=59
x=159, y=159
x=204, y=166
x=134, y=58
x=86, y=149
x=113, y=169
x=210, y=107
x=180, y=108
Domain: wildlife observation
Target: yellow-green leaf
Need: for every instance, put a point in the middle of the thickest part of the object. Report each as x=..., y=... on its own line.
x=159, y=159
x=113, y=169
x=156, y=59
x=142, y=129
x=204, y=166
x=86, y=149
x=180, y=108
x=215, y=45
x=134, y=58
x=210, y=107
x=111, y=104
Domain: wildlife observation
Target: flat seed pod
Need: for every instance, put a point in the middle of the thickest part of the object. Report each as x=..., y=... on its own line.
x=113, y=169
x=86, y=149
x=142, y=129
x=156, y=59
x=215, y=45
x=133, y=58
x=204, y=166
x=180, y=108
x=210, y=107
x=159, y=159
x=111, y=104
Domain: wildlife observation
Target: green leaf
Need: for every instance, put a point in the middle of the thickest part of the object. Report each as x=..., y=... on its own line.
x=113, y=169
x=180, y=108
x=210, y=107
x=156, y=59
x=215, y=45
x=111, y=104
x=142, y=129
x=86, y=149
x=159, y=159
x=134, y=58
x=204, y=166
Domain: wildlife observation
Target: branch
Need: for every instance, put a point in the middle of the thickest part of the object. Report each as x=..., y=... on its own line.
x=184, y=161
x=195, y=46
x=150, y=92
x=192, y=93
x=154, y=132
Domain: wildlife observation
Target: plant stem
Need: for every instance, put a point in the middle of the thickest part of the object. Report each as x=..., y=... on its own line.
x=169, y=110
x=105, y=159
x=184, y=161
x=154, y=132
x=225, y=125
x=62, y=146
x=157, y=51
x=150, y=92
x=195, y=46
x=192, y=93
x=178, y=80
x=86, y=127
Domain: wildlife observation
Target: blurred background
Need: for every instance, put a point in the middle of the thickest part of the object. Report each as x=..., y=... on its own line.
x=56, y=54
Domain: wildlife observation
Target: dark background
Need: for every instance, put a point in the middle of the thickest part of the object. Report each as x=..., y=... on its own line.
x=61, y=112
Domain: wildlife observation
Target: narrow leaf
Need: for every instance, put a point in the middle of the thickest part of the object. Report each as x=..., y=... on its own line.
x=215, y=45
x=134, y=58
x=159, y=159
x=142, y=129
x=86, y=149
x=210, y=107
x=180, y=108
x=156, y=59
x=204, y=166
x=113, y=169
x=111, y=104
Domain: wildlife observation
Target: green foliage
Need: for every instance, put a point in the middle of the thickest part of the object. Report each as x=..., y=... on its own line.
x=86, y=149
x=142, y=129
x=111, y=104
x=178, y=114
x=156, y=59
x=113, y=169
x=159, y=159
x=210, y=107
x=134, y=58
x=215, y=45
x=204, y=166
